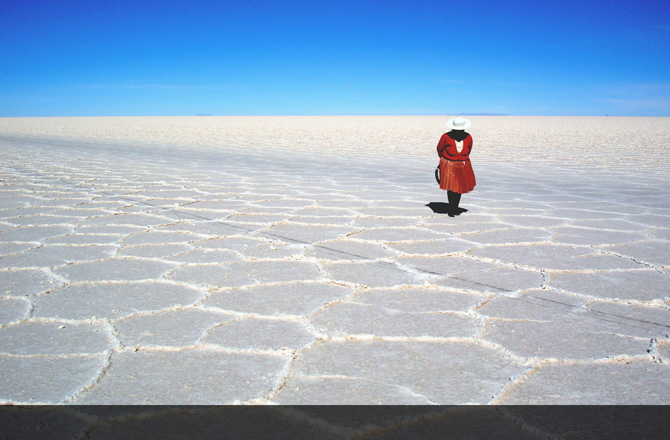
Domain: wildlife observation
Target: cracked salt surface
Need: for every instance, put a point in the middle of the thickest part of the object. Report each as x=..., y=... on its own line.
x=136, y=273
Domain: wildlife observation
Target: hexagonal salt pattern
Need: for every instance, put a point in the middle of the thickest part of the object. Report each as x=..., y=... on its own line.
x=172, y=274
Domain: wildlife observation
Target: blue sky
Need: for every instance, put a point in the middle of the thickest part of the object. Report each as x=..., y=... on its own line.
x=259, y=57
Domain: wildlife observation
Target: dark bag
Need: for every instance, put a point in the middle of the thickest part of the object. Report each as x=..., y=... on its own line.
x=437, y=174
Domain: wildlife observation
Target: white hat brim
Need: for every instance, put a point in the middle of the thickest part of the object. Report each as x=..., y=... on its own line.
x=450, y=124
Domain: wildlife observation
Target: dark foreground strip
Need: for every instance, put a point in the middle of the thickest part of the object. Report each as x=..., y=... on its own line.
x=335, y=422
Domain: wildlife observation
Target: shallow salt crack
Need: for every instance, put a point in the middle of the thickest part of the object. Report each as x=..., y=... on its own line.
x=639, y=261
x=586, y=296
x=514, y=381
x=107, y=363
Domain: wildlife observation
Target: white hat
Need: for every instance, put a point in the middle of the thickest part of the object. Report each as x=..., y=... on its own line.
x=458, y=124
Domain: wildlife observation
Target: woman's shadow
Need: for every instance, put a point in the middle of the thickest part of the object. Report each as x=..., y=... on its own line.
x=443, y=208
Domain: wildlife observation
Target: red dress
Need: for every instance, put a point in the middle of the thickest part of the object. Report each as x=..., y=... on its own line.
x=456, y=172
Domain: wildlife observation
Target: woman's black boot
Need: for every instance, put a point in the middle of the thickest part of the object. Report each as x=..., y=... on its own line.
x=457, y=200
x=454, y=199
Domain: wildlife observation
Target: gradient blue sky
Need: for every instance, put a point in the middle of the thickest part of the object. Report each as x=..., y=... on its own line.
x=258, y=57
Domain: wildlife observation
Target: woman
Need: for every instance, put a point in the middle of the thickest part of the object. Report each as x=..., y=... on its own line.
x=456, y=174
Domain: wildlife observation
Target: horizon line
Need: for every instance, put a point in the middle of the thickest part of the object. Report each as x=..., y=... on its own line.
x=336, y=115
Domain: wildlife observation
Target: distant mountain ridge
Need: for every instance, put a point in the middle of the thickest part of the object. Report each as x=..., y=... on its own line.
x=482, y=114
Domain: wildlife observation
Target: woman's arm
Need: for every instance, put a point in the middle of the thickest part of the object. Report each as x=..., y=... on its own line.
x=441, y=146
x=468, y=145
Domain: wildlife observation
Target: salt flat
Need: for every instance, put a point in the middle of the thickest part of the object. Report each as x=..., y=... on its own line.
x=293, y=260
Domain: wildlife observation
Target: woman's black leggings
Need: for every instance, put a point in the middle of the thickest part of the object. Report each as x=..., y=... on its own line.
x=454, y=199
